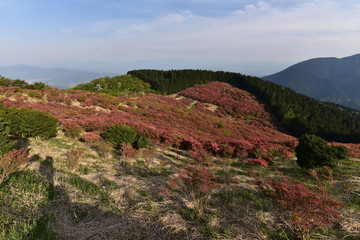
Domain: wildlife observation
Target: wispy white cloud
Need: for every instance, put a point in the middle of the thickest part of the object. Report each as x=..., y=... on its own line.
x=257, y=31
x=267, y=30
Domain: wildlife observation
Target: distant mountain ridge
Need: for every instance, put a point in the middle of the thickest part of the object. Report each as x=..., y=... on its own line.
x=55, y=77
x=330, y=79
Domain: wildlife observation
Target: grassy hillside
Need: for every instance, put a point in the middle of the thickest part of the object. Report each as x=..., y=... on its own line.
x=211, y=171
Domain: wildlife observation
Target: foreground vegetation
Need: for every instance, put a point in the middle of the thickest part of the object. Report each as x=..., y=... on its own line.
x=61, y=196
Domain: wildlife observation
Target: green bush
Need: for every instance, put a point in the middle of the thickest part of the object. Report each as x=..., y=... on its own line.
x=38, y=85
x=341, y=152
x=30, y=123
x=118, y=134
x=314, y=151
x=5, y=144
x=116, y=85
x=141, y=142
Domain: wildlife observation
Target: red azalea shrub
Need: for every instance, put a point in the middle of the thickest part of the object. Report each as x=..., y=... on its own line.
x=91, y=137
x=127, y=150
x=308, y=208
x=11, y=161
x=193, y=182
x=261, y=161
x=72, y=129
x=200, y=156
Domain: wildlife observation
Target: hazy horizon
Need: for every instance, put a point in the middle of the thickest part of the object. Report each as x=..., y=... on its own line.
x=193, y=32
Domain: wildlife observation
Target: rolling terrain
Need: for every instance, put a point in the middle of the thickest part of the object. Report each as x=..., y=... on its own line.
x=212, y=148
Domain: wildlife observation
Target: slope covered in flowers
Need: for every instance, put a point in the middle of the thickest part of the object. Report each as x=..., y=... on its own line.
x=75, y=189
x=239, y=126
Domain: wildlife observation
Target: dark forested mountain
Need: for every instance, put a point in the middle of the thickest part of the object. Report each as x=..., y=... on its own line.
x=56, y=77
x=334, y=80
x=298, y=113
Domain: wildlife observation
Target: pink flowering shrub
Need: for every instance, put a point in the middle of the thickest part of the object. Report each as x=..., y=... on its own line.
x=127, y=150
x=200, y=156
x=92, y=137
x=195, y=183
x=308, y=209
x=11, y=162
x=260, y=161
x=72, y=129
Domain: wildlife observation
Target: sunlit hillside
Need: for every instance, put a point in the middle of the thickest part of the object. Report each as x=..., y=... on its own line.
x=209, y=162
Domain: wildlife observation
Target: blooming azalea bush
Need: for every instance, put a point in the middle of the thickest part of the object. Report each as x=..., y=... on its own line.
x=260, y=161
x=127, y=150
x=194, y=183
x=11, y=162
x=92, y=137
x=72, y=129
x=308, y=209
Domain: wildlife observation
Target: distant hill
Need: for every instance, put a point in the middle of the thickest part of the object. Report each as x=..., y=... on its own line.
x=334, y=80
x=117, y=85
x=55, y=77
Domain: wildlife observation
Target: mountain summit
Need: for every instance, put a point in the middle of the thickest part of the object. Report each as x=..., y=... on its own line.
x=331, y=79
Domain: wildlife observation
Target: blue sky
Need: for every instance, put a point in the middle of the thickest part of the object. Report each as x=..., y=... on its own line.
x=199, y=32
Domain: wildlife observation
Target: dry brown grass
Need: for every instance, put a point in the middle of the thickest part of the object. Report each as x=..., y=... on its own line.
x=133, y=209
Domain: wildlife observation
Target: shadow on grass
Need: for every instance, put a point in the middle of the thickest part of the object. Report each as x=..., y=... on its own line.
x=62, y=218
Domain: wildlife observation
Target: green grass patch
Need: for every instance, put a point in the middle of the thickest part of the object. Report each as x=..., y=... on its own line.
x=22, y=197
x=347, y=169
x=189, y=214
x=86, y=187
x=108, y=184
x=60, y=143
x=234, y=198
x=83, y=169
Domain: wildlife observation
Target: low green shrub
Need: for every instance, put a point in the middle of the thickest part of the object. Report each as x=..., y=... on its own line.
x=119, y=134
x=30, y=123
x=5, y=144
x=314, y=151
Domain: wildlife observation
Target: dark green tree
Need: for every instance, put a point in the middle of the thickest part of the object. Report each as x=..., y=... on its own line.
x=38, y=86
